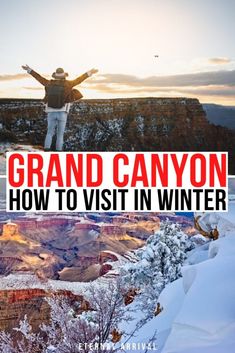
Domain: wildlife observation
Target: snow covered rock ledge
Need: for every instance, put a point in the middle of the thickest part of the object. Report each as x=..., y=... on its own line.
x=205, y=321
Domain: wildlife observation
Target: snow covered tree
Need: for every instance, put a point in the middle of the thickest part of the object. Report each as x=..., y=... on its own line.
x=158, y=263
x=94, y=326
x=27, y=341
x=72, y=330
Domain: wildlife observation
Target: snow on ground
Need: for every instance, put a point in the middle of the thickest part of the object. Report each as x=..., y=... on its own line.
x=207, y=315
x=9, y=147
x=22, y=280
x=159, y=326
x=199, y=308
x=198, y=254
x=230, y=215
x=222, y=221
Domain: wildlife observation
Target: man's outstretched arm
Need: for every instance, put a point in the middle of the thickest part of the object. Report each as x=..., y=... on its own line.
x=83, y=77
x=38, y=77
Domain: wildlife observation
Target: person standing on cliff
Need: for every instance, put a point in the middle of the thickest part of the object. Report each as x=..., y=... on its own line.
x=58, y=98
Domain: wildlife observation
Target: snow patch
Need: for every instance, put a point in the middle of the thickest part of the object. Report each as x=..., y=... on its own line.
x=189, y=275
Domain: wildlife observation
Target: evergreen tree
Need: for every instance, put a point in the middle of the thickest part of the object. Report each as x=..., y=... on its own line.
x=157, y=263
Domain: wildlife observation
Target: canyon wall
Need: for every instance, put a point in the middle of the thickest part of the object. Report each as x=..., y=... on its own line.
x=135, y=124
x=15, y=304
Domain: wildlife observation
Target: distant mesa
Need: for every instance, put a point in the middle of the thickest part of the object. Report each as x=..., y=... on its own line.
x=10, y=230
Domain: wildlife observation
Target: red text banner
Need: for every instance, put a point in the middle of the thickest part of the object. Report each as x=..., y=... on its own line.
x=116, y=181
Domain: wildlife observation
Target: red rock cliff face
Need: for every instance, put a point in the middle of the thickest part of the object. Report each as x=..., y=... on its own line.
x=15, y=304
x=112, y=230
x=105, y=256
x=136, y=124
x=10, y=230
x=28, y=224
x=87, y=226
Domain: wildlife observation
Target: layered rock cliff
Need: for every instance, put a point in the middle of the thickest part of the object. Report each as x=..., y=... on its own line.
x=136, y=124
x=15, y=304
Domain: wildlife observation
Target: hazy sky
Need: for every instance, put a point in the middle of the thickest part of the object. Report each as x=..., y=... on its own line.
x=194, y=41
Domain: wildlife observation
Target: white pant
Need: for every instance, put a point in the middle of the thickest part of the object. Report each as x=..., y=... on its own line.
x=56, y=120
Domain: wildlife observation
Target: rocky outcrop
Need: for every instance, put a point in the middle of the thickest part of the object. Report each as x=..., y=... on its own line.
x=105, y=268
x=116, y=336
x=113, y=230
x=87, y=226
x=208, y=231
x=135, y=124
x=15, y=304
x=123, y=219
x=9, y=264
x=10, y=230
x=130, y=296
x=105, y=256
x=86, y=261
x=32, y=223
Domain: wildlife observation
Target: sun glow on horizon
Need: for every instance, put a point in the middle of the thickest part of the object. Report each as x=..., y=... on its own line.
x=119, y=38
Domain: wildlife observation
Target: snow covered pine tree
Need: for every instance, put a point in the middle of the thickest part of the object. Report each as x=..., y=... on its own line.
x=158, y=263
